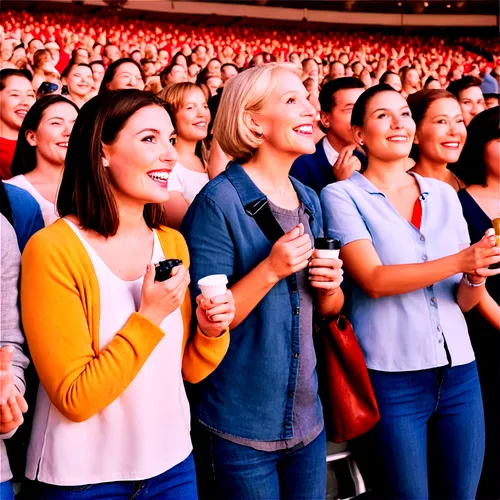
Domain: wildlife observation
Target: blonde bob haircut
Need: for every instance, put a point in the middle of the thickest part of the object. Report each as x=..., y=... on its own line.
x=243, y=94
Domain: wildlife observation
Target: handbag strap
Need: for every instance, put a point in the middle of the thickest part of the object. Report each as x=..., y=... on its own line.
x=263, y=216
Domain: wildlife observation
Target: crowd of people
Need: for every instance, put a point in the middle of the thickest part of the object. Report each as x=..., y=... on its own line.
x=124, y=144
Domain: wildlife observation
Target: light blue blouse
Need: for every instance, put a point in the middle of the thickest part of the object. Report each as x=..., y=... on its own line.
x=411, y=331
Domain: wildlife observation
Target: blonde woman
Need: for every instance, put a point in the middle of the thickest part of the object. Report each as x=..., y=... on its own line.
x=112, y=418
x=191, y=115
x=260, y=431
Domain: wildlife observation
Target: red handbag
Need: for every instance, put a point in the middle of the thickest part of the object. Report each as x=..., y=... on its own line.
x=349, y=404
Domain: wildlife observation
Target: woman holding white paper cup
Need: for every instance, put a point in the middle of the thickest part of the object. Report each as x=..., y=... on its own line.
x=260, y=431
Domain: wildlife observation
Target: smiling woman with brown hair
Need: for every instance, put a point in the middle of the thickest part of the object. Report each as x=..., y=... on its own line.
x=440, y=134
x=112, y=417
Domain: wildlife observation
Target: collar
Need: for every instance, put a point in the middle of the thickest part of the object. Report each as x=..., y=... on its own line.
x=361, y=181
x=330, y=152
x=252, y=197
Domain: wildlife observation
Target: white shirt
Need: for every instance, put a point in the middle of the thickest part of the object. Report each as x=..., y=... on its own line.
x=331, y=154
x=48, y=209
x=145, y=431
x=186, y=181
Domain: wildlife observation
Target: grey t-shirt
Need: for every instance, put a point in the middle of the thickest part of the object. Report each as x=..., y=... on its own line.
x=307, y=425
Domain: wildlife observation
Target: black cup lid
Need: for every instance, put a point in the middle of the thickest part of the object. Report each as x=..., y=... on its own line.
x=326, y=244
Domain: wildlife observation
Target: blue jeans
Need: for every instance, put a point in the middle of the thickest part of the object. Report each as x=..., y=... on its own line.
x=177, y=483
x=6, y=491
x=430, y=439
x=229, y=471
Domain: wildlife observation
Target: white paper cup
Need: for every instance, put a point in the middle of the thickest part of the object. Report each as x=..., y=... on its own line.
x=213, y=285
x=326, y=254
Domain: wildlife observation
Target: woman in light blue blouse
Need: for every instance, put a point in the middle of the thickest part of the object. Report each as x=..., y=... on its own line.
x=407, y=250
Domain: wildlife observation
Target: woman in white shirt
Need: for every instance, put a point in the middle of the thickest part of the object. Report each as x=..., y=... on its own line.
x=192, y=116
x=41, y=150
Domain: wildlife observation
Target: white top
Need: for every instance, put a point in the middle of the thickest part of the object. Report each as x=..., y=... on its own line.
x=145, y=431
x=331, y=154
x=48, y=209
x=188, y=182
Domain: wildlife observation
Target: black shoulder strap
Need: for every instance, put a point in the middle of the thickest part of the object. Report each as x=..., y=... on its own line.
x=261, y=212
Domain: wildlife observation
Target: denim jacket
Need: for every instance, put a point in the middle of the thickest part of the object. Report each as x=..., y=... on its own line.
x=250, y=395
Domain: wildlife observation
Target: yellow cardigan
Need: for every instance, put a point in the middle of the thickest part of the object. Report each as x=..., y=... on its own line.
x=60, y=305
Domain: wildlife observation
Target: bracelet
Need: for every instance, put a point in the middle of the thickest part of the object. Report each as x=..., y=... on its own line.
x=471, y=284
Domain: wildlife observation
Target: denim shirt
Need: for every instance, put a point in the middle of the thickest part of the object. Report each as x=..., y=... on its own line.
x=411, y=331
x=251, y=394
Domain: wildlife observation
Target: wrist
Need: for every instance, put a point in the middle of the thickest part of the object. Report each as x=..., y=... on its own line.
x=269, y=275
x=212, y=335
x=151, y=315
x=473, y=281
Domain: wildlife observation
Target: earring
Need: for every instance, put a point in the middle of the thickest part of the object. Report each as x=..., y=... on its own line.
x=105, y=163
x=361, y=143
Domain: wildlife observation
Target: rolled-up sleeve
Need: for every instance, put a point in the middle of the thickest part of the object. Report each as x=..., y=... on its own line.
x=209, y=240
x=342, y=219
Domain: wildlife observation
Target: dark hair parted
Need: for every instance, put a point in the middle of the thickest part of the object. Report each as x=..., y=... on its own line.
x=484, y=128
x=7, y=73
x=24, y=159
x=72, y=64
x=111, y=70
x=463, y=84
x=386, y=76
x=85, y=190
x=359, y=109
x=419, y=103
x=328, y=91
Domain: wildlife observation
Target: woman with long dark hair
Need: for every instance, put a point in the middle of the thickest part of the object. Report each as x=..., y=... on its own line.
x=405, y=245
x=112, y=417
x=41, y=149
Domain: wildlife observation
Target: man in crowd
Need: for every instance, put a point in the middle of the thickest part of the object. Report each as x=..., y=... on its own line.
x=33, y=45
x=470, y=96
x=337, y=70
x=19, y=58
x=111, y=53
x=173, y=74
x=336, y=157
x=228, y=71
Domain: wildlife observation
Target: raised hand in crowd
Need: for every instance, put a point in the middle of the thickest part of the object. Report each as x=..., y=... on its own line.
x=12, y=403
x=346, y=163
